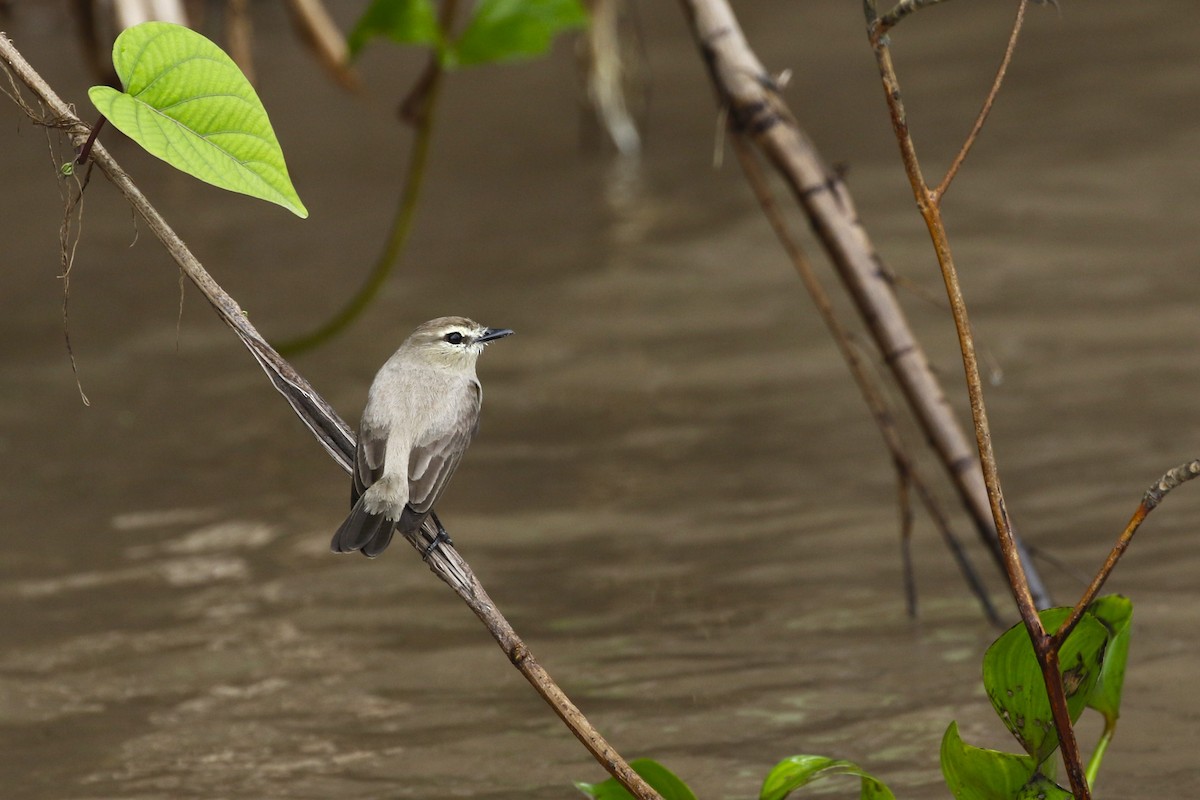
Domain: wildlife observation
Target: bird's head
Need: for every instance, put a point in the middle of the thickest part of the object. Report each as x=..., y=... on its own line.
x=453, y=342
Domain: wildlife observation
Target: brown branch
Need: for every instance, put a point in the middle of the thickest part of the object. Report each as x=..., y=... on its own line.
x=333, y=434
x=900, y=11
x=1044, y=645
x=988, y=102
x=1150, y=500
x=746, y=90
x=937, y=231
x=318, y=30
x=904, y=504
x=871, y=394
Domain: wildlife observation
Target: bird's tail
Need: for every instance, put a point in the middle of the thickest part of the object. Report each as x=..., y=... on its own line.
x=363, y=531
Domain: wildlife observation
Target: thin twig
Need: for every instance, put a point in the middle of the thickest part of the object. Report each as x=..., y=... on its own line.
x=321, y=33
x=69, y=235
x=1150, y=500
x=744, y=87
x=904, y=503
x=85, y=151
x=902, y=10
x=988, y=102
x=932, y=216
x=417, y=109
x=330, y=430
x=402, y=222
x=871, y=394
x=1043, y=643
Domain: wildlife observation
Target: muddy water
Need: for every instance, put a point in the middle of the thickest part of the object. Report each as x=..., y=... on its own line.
x=677, y=497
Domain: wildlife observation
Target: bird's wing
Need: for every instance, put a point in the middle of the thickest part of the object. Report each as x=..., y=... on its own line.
x=368, y=461
x=432, y=463
x=363, y=530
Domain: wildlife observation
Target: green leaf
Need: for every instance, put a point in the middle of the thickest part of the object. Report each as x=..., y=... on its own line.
x=402, y=21
x=661, y=779
x=1115, y=613
x=504, y=30
x=974, y=773
x=796, y=771
x=187, y=103
x=1013, y=679
x=1042, y=788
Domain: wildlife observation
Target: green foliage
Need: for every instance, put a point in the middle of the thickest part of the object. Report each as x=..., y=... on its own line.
x=973, y=773
x=498, y=30
x=1014, y=684
x=505, y=30
x=402, y=21
x=783, y=779
x=1115, y=613
x=661, y=779
x=1092, y=663
x=1042, y=788
x=796, y=771
x=186, y=102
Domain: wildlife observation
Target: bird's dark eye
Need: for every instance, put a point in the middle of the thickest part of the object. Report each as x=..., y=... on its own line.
x=454, y=337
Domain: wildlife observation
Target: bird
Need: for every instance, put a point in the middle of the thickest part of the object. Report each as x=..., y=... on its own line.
x=422, y=412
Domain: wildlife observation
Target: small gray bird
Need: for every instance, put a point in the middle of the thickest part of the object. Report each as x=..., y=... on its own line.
x=422, y=412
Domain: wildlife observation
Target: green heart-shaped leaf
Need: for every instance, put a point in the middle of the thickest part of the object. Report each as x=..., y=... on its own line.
x=186, y=102
x=1013, y=679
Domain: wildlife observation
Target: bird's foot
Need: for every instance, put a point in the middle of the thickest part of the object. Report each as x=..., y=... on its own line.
x=441, y=538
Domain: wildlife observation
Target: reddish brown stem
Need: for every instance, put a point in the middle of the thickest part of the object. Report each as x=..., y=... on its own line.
x=927, y=203
x=85, y=152
x=988, y=102
x=1154, y=495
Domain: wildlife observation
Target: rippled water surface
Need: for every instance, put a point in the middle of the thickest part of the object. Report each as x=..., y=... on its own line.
x=677, y=496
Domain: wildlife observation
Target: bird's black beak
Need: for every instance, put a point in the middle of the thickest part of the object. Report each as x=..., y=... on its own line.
x=491, y=334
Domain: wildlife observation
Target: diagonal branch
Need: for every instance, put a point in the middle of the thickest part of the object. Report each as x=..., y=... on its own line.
x=745, y=89
x=988, y=101
x=1150, y=500
x=320, y=418
x=871, y=394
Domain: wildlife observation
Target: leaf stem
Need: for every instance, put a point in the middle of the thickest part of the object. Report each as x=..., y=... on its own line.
x=85, y=152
